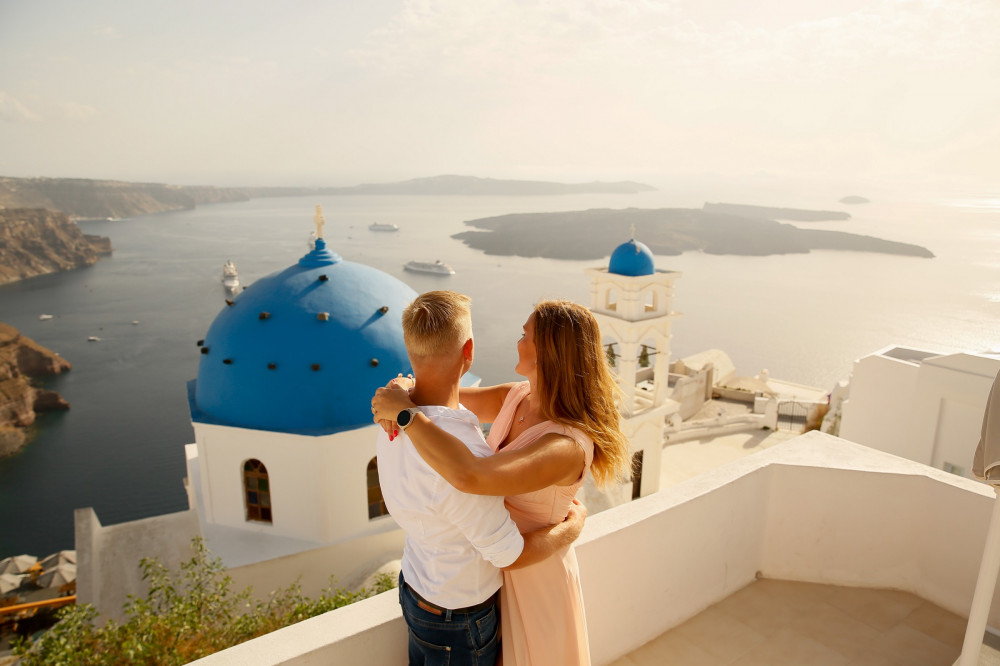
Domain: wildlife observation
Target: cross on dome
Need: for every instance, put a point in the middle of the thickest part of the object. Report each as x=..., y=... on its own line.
x=319, y=220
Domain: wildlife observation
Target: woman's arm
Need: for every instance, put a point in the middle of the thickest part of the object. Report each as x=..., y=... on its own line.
x=552, y=460
x=484, y=401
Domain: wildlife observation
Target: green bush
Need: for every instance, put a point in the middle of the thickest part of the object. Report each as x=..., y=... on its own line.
x=181, y=619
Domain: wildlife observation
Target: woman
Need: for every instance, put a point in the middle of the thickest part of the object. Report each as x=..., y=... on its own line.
x=546, y=433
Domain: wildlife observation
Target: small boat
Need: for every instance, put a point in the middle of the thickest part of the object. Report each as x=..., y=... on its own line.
x=230, y=278
x=436, y=267
x=93, y=338
x=383, y=226
x=135, y=322
x=44, y=317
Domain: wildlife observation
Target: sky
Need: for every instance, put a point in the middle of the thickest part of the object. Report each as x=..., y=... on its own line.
x=341, y=92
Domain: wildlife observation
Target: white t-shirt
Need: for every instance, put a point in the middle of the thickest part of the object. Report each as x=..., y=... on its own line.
x=454, y=541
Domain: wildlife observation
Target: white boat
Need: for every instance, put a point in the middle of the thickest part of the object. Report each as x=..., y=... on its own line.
x=44, y=317
x=383, y=226
x=230, y=278
x=436, y=267
x=94, y=338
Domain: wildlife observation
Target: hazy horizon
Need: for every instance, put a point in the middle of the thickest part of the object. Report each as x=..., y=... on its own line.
x=338, y=94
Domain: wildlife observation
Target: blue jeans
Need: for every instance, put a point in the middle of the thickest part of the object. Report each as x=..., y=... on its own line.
x=450, y=639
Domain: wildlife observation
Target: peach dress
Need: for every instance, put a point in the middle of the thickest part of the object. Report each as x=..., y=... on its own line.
x=542, y=605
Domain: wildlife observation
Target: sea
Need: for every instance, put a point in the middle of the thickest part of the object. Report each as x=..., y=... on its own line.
x=805, y=318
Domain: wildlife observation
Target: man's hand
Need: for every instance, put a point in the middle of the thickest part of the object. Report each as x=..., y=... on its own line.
x=546, y=541
x=576, y=517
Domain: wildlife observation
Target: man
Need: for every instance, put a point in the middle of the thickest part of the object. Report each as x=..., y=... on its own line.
x=456, y=544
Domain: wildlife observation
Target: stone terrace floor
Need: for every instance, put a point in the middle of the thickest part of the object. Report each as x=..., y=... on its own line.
x=783, y=623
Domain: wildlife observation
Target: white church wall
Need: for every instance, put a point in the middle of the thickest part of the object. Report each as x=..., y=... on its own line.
x=318, y=485
x=295, y=473
x=346, y=486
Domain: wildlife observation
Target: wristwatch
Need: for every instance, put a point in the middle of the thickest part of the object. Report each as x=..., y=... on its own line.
x=405, y=418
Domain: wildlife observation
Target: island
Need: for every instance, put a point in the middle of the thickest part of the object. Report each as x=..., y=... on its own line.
x=83, y=199
x=22, y=359
x=854, y=199
x=473, y=186
x=588, y=234
x=769, y=213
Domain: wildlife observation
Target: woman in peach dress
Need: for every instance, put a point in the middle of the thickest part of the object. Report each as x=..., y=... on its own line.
x=546, y=433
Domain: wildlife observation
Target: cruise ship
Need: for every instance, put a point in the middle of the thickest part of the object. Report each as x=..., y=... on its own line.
x=230, y=276
x=436, y=267
x=383, y=226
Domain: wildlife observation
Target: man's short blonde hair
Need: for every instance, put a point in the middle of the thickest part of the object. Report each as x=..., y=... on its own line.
x=437, y=323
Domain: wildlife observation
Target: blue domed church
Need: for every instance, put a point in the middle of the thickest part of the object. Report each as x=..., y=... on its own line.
x=284, y=440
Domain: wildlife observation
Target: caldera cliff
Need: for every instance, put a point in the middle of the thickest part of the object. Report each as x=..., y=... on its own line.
x=22, y=359
x=35, y=241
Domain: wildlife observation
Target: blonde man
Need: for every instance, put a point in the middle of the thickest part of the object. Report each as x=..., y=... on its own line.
x=456, y=544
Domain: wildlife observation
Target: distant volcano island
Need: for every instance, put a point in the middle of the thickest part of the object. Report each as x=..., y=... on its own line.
x=588, y=234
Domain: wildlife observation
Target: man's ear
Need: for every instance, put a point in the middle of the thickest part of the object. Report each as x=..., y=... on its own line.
x=467, y=350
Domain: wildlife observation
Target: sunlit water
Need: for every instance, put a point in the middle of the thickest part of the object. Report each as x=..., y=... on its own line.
x=120, y=448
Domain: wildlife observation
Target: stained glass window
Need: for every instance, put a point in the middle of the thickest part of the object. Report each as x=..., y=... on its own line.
x=257, y=491
x=376, y=505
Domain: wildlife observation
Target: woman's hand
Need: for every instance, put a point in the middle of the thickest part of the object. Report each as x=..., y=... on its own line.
x=387, y=403
x=407, y=382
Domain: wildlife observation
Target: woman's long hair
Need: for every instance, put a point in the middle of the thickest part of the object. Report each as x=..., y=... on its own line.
x=575, y=386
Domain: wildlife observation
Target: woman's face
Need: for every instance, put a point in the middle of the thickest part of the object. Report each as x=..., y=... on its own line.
x=526, y=358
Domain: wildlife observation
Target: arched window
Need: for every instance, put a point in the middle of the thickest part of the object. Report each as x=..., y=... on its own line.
x=650, y=301
x=376, y=505
x=256, y=491
x=610, y=299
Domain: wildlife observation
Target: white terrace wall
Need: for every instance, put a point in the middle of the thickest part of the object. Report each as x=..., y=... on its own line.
x=108, y=559
x=816, y=509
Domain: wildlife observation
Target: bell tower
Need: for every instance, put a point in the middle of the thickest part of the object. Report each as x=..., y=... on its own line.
x=631, y=300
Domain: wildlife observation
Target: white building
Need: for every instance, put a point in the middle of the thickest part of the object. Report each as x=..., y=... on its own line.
x=920, y=405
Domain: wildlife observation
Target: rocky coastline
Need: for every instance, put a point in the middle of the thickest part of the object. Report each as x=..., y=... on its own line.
x=84, y=199
x=21, y=360
x=35, y=241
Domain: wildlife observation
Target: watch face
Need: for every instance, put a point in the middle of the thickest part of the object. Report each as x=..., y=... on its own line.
x=403, y=418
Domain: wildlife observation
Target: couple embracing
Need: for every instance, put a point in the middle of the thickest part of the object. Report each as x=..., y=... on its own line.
x=481, y=513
